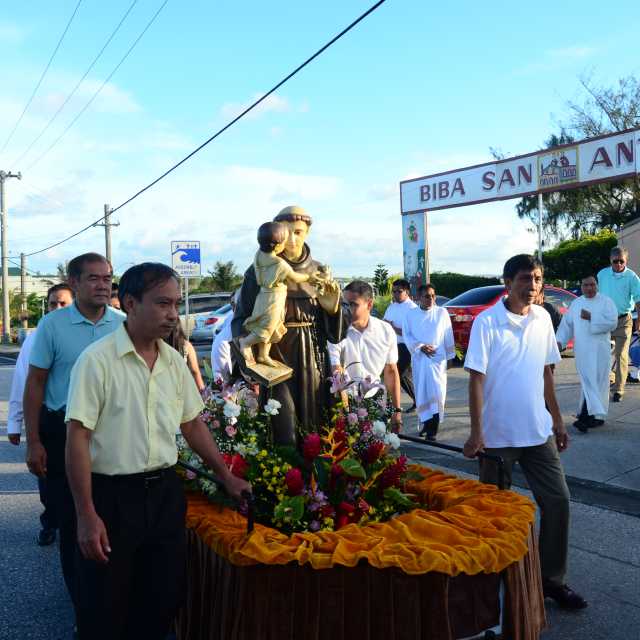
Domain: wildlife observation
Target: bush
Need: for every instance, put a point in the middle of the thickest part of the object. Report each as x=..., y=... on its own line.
x=453, y=284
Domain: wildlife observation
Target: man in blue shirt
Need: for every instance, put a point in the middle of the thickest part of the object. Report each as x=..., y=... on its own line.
x=623, y=286
x=61, y=337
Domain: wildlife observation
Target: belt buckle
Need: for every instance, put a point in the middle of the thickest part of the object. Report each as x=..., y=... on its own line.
x=151, y=479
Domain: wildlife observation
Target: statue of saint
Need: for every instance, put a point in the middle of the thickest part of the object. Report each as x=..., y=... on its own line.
x=266, y=325
x=313, y=317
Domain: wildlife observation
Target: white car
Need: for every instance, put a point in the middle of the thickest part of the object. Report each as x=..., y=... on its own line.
x=208, y=325
x=201, y=305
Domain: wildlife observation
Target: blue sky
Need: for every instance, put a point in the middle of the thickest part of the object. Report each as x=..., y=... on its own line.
x=414, y=89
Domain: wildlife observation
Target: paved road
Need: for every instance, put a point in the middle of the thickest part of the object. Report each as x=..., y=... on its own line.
x=605, y=544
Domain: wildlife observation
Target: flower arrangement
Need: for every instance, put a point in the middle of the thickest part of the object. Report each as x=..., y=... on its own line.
x=349, y=472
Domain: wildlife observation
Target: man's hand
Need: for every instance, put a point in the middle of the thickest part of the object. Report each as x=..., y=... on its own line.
x=473, y=445
x=14, y=438
x=396, y=422
x=428, y=349
x=92, y=538
x=36, y=459
x=330, y=299
x=585, y=315
x=562, y=437
x=235, y=486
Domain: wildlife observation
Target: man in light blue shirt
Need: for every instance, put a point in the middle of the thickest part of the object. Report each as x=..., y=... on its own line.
x=623, y=286
x=61, y=337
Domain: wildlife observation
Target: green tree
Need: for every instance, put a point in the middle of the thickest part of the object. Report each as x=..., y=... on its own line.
x=223, y=277
x=34, y=308
x=381, y=280
x=452, y=284
x=61, y=270
x=603, y=206
x=572, y=260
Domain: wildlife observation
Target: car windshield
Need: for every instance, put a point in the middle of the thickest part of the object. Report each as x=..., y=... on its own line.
x=480, y=295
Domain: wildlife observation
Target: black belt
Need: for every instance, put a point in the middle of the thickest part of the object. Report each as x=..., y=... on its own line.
x=624, y=315
x=145, y=478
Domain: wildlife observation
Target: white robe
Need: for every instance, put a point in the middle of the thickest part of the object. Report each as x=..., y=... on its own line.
x=592, y=348
x=432, y=327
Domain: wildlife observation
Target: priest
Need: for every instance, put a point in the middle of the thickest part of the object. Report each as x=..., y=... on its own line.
x=589, y=322
x=428, y=335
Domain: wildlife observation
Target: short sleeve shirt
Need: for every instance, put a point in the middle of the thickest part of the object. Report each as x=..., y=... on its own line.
x=396, y=313
x=132, y=411
x=364, y=354
x=623, y=288
x=61, y=337
x=512, y=351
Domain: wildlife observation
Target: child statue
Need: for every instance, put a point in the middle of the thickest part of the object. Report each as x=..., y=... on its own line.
x=266, y=323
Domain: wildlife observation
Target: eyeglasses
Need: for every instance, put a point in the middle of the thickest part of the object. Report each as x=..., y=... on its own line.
x=618, y=261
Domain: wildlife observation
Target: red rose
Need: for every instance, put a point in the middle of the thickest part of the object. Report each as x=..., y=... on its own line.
x=327, y=511
x=391, y=475
x=311, y=447
x=239, y=466
x=373, y=452
x=341, y=521
x=363, y=505
x=295, y=483
x=346, y=507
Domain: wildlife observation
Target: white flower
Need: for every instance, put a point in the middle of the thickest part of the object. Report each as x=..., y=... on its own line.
x=392, y=440
x=379, y=429
x=231, y=409
x=272, y=407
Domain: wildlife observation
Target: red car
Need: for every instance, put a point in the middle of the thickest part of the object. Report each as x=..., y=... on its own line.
x=464, y=308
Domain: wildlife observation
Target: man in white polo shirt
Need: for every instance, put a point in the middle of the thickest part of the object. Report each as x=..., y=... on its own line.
x=369, y=351
x=511, y=350
x=395, y=315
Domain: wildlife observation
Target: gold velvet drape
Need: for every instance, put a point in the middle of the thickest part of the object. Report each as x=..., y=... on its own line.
x=423, y=575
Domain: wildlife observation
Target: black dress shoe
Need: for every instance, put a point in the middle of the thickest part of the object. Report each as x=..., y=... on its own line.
x=46, y=537
x=564, y=597
x=410, y=409
x=581, y=426
x=429, y=437
x=596, y=422
x=617, y=397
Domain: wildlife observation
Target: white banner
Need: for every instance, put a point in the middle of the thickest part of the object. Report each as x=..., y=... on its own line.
x=603, y=159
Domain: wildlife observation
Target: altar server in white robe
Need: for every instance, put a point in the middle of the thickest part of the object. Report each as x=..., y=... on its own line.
x=589, y=321
x=428, y=335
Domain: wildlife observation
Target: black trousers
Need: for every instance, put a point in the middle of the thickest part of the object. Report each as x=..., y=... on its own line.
x=404, y=369
x=430, y=426
x=139, y=591
x=49, y=517
x=53, y=435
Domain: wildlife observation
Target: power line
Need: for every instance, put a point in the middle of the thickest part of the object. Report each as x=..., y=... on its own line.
x=219, y=132
x=102, y=86
x=73, y=91
x=44, y=73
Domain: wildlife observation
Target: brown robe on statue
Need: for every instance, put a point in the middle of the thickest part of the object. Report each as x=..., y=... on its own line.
x=305, y=396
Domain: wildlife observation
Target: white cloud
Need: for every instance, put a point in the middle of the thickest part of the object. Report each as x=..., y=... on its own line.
x=274, y=103
x=575, y=52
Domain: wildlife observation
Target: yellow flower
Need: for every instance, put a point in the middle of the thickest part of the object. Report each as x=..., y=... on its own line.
x=276, y=469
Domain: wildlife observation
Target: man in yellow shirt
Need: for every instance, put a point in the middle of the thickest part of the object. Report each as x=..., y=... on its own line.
x=128, y=394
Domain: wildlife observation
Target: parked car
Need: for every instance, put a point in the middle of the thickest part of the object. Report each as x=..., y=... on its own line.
x=441, y=301
x=200, y=306
x=209, y=325
x=464, y=308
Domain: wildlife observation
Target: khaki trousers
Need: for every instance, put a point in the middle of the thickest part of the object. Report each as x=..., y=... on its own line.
x=543, y=470
x=622, y=339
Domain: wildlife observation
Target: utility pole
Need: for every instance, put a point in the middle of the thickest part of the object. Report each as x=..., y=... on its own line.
x=23, y=291
x=6, y=317
x=107, y=224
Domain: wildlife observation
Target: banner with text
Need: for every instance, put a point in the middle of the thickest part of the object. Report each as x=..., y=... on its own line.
x=603, y=159
x=414, y=246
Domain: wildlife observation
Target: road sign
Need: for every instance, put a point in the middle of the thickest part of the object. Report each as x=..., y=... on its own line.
x=185, y=258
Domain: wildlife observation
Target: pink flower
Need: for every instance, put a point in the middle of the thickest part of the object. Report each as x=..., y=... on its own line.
x=362, y=412
x=190, y=475
x=231, y=431
x=352, y=418
x=311, y=447
x=216, y=424
x=295, y=483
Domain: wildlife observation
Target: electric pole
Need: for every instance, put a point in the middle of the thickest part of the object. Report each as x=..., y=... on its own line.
x=23, y=291
x=6, y=317
x=107, y=224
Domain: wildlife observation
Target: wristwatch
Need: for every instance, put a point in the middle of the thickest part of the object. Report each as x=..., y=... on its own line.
x=397, y=409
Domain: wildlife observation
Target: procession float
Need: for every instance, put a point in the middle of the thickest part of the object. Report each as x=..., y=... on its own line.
x=351, y=540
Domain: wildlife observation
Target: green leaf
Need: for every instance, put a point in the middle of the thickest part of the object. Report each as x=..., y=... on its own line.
x=396, y=496
x=321, y=468
x=412, y=476
x=353, y=468
x=290, y=509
